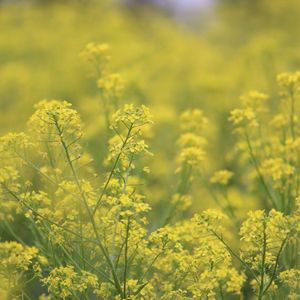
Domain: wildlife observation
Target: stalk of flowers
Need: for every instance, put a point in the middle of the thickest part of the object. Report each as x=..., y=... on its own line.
x=271, y=143
x=102, y=237
x=218, y=190
x=59, y=213
x=98, y=55
x=191, y=164
x=190, y=161
x=264, y=239
x=124, y=220
x=83, y=229
x=210, y=271
x=20, y=264
x=190, y=157
x=247, y=122
x=291, y=280
x=110, y=84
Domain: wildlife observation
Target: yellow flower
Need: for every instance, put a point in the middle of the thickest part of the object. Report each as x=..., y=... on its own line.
x=291, y=279
x=112, y=85
x=98, y=53
x=221, y=177
x=287, y=80
x=193, y=121
x=64, y=282
x=134, y=116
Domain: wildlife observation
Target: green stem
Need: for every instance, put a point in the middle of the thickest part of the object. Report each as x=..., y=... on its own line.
x=12, y=232
x=292, y=97
x=45, y=218
x=126, y=260
x=90, y=213
x=262, y=269
x=113, y=169
x=118, y=212
x=236, y=256
x=262, y=180
x=276, y=265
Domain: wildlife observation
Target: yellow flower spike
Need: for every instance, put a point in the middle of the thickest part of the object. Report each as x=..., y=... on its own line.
x=191, y=142
x=291, y=279
x=112, y=85
x=98, y=53
x=56, y=118
x=288, y=80
x=134, y=116
x=211, y=220
x=16, y=260
x=221, y=177
x=64, y=281
x=193, y=121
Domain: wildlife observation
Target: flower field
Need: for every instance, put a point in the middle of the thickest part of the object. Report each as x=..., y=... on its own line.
x=149, y=155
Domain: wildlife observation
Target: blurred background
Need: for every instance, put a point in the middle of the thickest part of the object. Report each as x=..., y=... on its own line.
x=173, y=55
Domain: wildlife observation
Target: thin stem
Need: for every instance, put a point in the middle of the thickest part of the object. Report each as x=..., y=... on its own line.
x=118, y=212
x=12, y=232
x=262, y=268
x=45, y=218
x=292, y=113
x=262, y=180
x=149, y=267
x=221, y=292
x=228, y=209
x=126, y=259
x=91, y=215
x=276, y=265
x=113, y=169
x=236, y=256
x=182, y=190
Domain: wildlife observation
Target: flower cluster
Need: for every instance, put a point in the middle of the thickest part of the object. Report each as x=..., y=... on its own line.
x=291, y=279
x=65, y=282
x=128, y=124
x=273, y=151
x=93, y=233
x=17, y=262
x=221, y=177
x=111, y=85
x=191, y=141
x=288, y=80
x=247, y=117
x=54, y=120
x=97, y=54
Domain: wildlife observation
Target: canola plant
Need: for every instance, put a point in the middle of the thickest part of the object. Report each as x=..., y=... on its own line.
x=151, y=178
